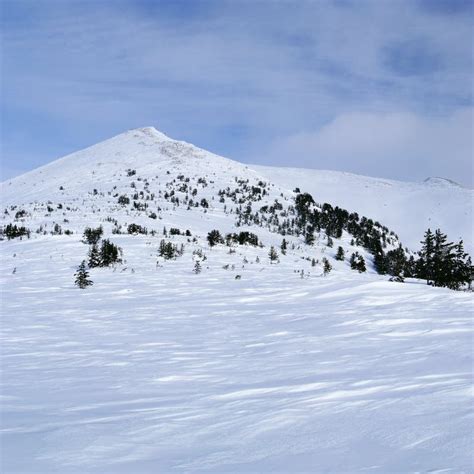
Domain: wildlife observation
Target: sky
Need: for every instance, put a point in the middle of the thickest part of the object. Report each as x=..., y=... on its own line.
x=382, y=88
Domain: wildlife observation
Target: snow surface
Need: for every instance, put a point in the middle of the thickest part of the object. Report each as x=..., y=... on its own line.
x=156, y=369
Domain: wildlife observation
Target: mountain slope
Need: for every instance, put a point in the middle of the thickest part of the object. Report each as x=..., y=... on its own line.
x=407, y=208
x=145, y=149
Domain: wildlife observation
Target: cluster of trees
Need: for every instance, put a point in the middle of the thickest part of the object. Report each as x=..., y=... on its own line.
x=12, y=231
x=92, y=236
x=169, y=251
x=334, y=220
x=136, y=229
x=104, y=255
x=20, y=214
x=176, y=231
x=123, y=200
x=440, y=262
x=215, y=237
x=357, y=262
x=107, y=254
x=443, y=263
x=245, y=192
x=242, y=238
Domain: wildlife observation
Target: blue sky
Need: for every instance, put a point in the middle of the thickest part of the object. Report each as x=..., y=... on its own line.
x=382, y=88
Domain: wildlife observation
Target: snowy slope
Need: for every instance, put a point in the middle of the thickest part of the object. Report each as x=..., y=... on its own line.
x=150, y=373
x=407, y=208
x=155, y=369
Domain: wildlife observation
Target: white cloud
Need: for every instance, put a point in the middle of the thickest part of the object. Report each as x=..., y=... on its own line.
x=397, y=145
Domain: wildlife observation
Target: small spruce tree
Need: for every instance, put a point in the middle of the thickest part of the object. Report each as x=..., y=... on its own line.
x=197, y=267
x=82, y=276
x=272, y=254
x=94, y=256
x=326, y=266
x=340, y=254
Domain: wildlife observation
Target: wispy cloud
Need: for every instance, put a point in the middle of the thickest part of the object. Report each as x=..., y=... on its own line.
x=235, y=77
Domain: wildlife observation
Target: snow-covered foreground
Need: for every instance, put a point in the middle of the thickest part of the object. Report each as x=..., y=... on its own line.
x=154, y=372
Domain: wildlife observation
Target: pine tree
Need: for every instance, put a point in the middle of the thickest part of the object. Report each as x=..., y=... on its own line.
x=442, y=262
x=425, y=269
x=283, y=247
x=353, y=261
x=340, y=254
x=82, y=276
x=410, y=267
x=380, y=263
x=109, y=253
x=214, y=237
x=197, y=267
x=395, y=261
x=361, y=265
x=94, y=256
x=462, y=267
x=272, y=254
x=326, y=266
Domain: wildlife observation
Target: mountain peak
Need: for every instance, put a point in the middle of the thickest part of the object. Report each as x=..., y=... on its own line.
x=150, y=132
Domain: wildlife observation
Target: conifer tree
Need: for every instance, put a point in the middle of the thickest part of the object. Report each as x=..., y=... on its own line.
x=82, y=276
x=340, y=254
x=442, y=259
x=197, y=267
x=327, y=267
x=94, y=256
x=109, y=253
x=92, y=236
x=361, y=265
x=284, y=246
x=426, y=256
x=462, y=267
x=214, y=237
x=272, y=254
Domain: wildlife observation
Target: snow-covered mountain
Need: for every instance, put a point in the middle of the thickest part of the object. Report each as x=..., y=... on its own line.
x=406, y=208
x=220, y=359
